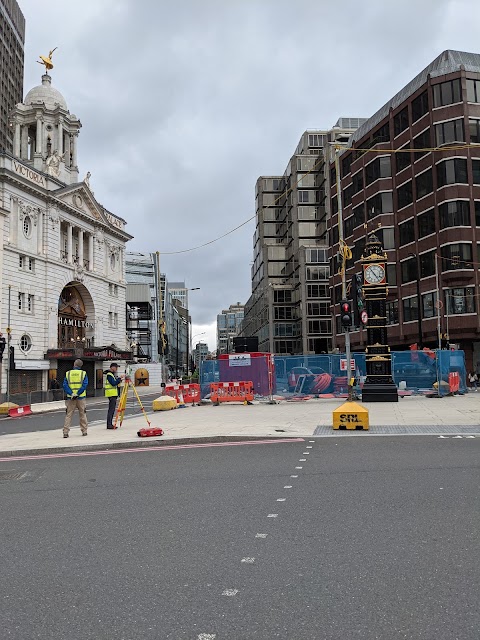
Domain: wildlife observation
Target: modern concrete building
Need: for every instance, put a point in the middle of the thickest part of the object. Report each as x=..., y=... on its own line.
x=424, y=205
x=289, y=309
x=12, y=39
x=200, y=353
x=228, y=325
x=145, y=295
x=62, y=253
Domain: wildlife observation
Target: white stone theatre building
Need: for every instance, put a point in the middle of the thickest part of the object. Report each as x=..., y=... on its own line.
x=62, y=254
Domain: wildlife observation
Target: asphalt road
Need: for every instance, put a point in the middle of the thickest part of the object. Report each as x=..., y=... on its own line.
x=371, y=538
x=96, y=410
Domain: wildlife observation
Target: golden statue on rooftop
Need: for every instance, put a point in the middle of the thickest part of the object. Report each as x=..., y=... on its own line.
x=47, y=61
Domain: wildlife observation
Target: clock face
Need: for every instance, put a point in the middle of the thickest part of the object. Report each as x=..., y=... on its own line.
x=374, y=274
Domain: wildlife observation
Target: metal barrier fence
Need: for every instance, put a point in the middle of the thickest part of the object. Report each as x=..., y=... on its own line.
x=418, y=372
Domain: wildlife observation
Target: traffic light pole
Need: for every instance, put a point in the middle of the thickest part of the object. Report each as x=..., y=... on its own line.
x=344, y=267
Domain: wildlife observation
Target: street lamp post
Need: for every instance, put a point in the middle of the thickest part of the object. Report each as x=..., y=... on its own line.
x=188, y=340
x=419, y=302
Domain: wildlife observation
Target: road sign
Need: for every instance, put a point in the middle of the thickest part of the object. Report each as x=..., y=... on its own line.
x=343, y=364
x=364, y=317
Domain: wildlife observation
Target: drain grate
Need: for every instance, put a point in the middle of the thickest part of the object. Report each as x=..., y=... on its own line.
x=401, y=430
x=21, y=476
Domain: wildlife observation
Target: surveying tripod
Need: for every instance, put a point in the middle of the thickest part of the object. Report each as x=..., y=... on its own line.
x=122, y=405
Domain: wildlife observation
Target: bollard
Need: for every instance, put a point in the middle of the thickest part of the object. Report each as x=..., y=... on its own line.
x=351, y=415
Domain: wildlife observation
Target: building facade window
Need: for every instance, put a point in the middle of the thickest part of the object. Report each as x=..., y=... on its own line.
x=403, y=159
x=429, y=305
x=27, y=226
x=422, y=141
x=392, y=275
x=452, y=171
x=410, y=309
x=315, y=291
x=283, y=313
x=387, y=237
x=407, y=232
x=477, y=213
x=473, y=90
x=25, y=343
x=405, y=194
x=454, y=214
x=456, y=256
x=359, y=215
x=320, y=326
x=346, y=164
x=474, y=128
x=380, y=203
x=318, y=308
x=420, y=106
x=30, y=299
x=449, y=132
x=357, y=182
x=282, y=295
x=476, y=171
x=448, y=92
x=379, y=168
x=21, y=301
x=409, y=270
x=424, y=184
x=427, y=264
x=426, y=223
x=318, y=273
x=316, y=255
x=303, y=196
x=392, y=312
x=348, y=227
x=460, y=300
x=400, y=121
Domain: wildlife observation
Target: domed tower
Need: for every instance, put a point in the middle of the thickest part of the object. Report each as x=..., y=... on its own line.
x=46, y=133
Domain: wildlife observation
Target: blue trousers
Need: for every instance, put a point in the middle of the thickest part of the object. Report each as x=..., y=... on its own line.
x=112, y=404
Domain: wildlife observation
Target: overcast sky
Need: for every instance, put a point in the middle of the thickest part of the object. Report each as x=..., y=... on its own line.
x=185, y=103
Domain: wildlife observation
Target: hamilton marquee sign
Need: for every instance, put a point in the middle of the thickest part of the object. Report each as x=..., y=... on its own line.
x=73, y=322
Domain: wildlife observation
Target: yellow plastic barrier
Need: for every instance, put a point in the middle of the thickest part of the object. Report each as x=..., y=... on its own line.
x=350, y=415
x=164, y=403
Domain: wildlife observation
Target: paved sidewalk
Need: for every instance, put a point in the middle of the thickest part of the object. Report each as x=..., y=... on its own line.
x=415, y=415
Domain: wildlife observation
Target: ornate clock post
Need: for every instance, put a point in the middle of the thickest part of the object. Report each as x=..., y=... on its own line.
x=379, y=385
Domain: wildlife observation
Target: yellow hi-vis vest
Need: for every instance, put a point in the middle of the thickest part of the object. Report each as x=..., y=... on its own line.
x=111, y=391
x=75, y=378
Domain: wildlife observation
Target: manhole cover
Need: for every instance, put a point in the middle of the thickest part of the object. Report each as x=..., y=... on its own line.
x=22, y=476
x=12, y=475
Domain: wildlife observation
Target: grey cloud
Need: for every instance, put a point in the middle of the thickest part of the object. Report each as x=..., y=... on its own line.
x=184, y=104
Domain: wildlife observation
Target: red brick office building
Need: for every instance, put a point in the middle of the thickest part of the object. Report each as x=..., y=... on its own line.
x=423, y=204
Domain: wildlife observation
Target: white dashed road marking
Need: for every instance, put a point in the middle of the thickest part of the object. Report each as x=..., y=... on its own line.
x=287, y=486
x=272, y=515
x=261, y=535
x=308, y=447
x=230, y=592
x=281, y=499
x=248, y=560
x=298, y=467
x=207, y=636
x=293, y=476
x=302, y=460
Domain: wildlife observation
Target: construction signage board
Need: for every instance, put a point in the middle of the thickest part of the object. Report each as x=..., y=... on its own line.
x=343, y=364
x=239, y=360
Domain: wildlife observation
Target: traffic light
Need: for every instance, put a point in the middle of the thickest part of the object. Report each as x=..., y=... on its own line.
x=358, y=299
x=346, y=315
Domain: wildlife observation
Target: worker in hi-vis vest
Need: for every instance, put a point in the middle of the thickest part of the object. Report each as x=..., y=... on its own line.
x=75, y=387
x=112, y=381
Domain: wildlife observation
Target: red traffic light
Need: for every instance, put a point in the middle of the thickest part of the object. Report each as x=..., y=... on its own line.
x=346, y=307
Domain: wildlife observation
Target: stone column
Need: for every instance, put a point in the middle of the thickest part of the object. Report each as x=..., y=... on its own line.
x=67, y=150
x=24, y=143
x=38, y=144
x=90, y=252
x=80, y=247
x=69, y=243
x=74, y=150
x=17, y=141
x=60, y=137
x=40, y=234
